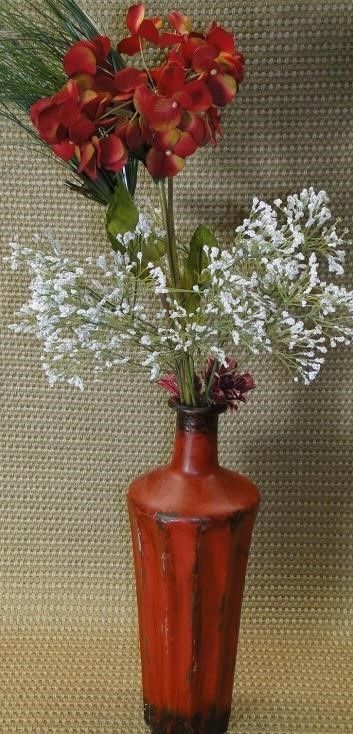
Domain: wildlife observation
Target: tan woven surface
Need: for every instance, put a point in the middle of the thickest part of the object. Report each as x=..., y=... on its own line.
x=68, y=649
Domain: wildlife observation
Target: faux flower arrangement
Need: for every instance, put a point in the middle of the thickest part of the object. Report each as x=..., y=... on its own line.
x=152, y=300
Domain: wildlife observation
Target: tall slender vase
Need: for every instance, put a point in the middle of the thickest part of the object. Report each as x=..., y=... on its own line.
x=191, y=525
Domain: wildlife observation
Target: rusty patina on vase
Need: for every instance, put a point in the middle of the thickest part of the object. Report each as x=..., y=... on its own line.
x=191, y=524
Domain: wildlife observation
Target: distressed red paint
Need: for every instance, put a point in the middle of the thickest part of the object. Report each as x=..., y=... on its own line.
x=191, y=527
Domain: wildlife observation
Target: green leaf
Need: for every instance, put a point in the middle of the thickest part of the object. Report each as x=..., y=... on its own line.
x=196, y=260
x=122, y=216
x=153, y=250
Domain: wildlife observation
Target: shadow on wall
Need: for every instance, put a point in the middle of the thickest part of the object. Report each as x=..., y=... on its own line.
x=297, y=448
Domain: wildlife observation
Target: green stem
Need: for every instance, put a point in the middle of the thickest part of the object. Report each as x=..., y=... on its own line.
x=211, y=380
x=186, y=367
x=168, y=222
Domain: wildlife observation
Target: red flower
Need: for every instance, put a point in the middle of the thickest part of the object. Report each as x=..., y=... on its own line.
x=161, y=116
x=114, y=155
x=164, y=110
x=141, y=30
x=213, y=122
x=127, y=81
x=86, y=56
x=167, y=157
x=109, y=153
x=52, y=116
x=181, y=23
x=229, y=386
x=196, y=126
x=88, y=156
x=69, y=121
x=170, y=383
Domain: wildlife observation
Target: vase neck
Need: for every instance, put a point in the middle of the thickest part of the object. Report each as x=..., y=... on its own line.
x=196, y=442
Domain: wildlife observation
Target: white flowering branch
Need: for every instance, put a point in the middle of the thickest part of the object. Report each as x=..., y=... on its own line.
x=274, y=291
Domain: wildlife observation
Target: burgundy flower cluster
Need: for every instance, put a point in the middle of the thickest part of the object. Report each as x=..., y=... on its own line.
x=229, y=387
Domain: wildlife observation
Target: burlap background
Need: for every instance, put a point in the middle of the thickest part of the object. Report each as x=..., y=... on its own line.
x=69, y=654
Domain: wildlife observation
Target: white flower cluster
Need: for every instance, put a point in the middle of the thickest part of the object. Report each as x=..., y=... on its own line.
x=143, y=232
x=96, y=314
x=271, y=292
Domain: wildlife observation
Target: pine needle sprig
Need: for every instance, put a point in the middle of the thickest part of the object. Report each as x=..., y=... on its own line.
x=32, y=47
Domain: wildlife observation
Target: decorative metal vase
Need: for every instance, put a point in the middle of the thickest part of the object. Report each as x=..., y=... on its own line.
x=191, y=525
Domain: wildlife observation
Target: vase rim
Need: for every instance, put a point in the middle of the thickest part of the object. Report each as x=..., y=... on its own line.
x=214, y=409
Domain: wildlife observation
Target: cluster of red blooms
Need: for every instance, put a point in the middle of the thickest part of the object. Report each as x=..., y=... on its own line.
x=159, y=115
x=229, y=387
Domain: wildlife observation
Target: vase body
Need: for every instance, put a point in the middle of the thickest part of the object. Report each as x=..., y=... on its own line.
x=191, y=524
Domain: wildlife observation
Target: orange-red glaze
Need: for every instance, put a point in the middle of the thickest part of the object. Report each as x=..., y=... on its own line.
x=191, y=527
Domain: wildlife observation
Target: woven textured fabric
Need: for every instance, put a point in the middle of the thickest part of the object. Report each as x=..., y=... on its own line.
x=68, y=632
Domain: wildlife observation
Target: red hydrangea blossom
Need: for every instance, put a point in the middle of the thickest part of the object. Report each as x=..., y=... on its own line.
x=159, y=115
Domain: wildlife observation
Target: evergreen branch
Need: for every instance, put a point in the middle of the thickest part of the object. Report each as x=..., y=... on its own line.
x=32, y=48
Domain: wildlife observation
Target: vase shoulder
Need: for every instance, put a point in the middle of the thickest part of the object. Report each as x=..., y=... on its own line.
x=167, y=491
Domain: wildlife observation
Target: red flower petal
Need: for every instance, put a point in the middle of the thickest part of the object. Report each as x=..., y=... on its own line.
x=65, y=150
x=134, y=17
x=238, y=69
x=68, y=93
x=95, y=104
x=113, y=153
x=221, y=39
x=133, y=135
x=103, y=83
x=189, y=47
x=194, y=125
x=38, y=107
x=49, y=125
x=103, y=47
x=80, y=58
x=128, y=79
x=200, y=96
x=149, y=31
x=147, y=133
x=162, y=113
x=171, y=79
x=175, y=56
x=185, y=146
x=129, y=46
x=157, y=21
x=181, y=23
x=170, y=384
x=141, y=98
x=203, y=58
x=163, y=165
x=213, y=124
x=223, y=88
x=87, y=158
x=167, y=140
x=121, y=127
x=69, y=113
x=169, y=39
x=82, y=130
x=84, y=81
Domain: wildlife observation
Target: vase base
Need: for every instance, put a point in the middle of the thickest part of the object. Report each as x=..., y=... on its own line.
x=166, y=722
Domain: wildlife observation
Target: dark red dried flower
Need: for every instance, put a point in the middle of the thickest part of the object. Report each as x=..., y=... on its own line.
x=170, y=383
x=229, y=386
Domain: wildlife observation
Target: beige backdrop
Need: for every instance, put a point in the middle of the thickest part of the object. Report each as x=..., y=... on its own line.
x=69, y=653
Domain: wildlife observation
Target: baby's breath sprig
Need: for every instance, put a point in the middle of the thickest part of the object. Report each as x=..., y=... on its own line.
x=273, y=292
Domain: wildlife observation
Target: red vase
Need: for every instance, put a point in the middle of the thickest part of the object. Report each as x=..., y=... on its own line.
x=191, y=524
